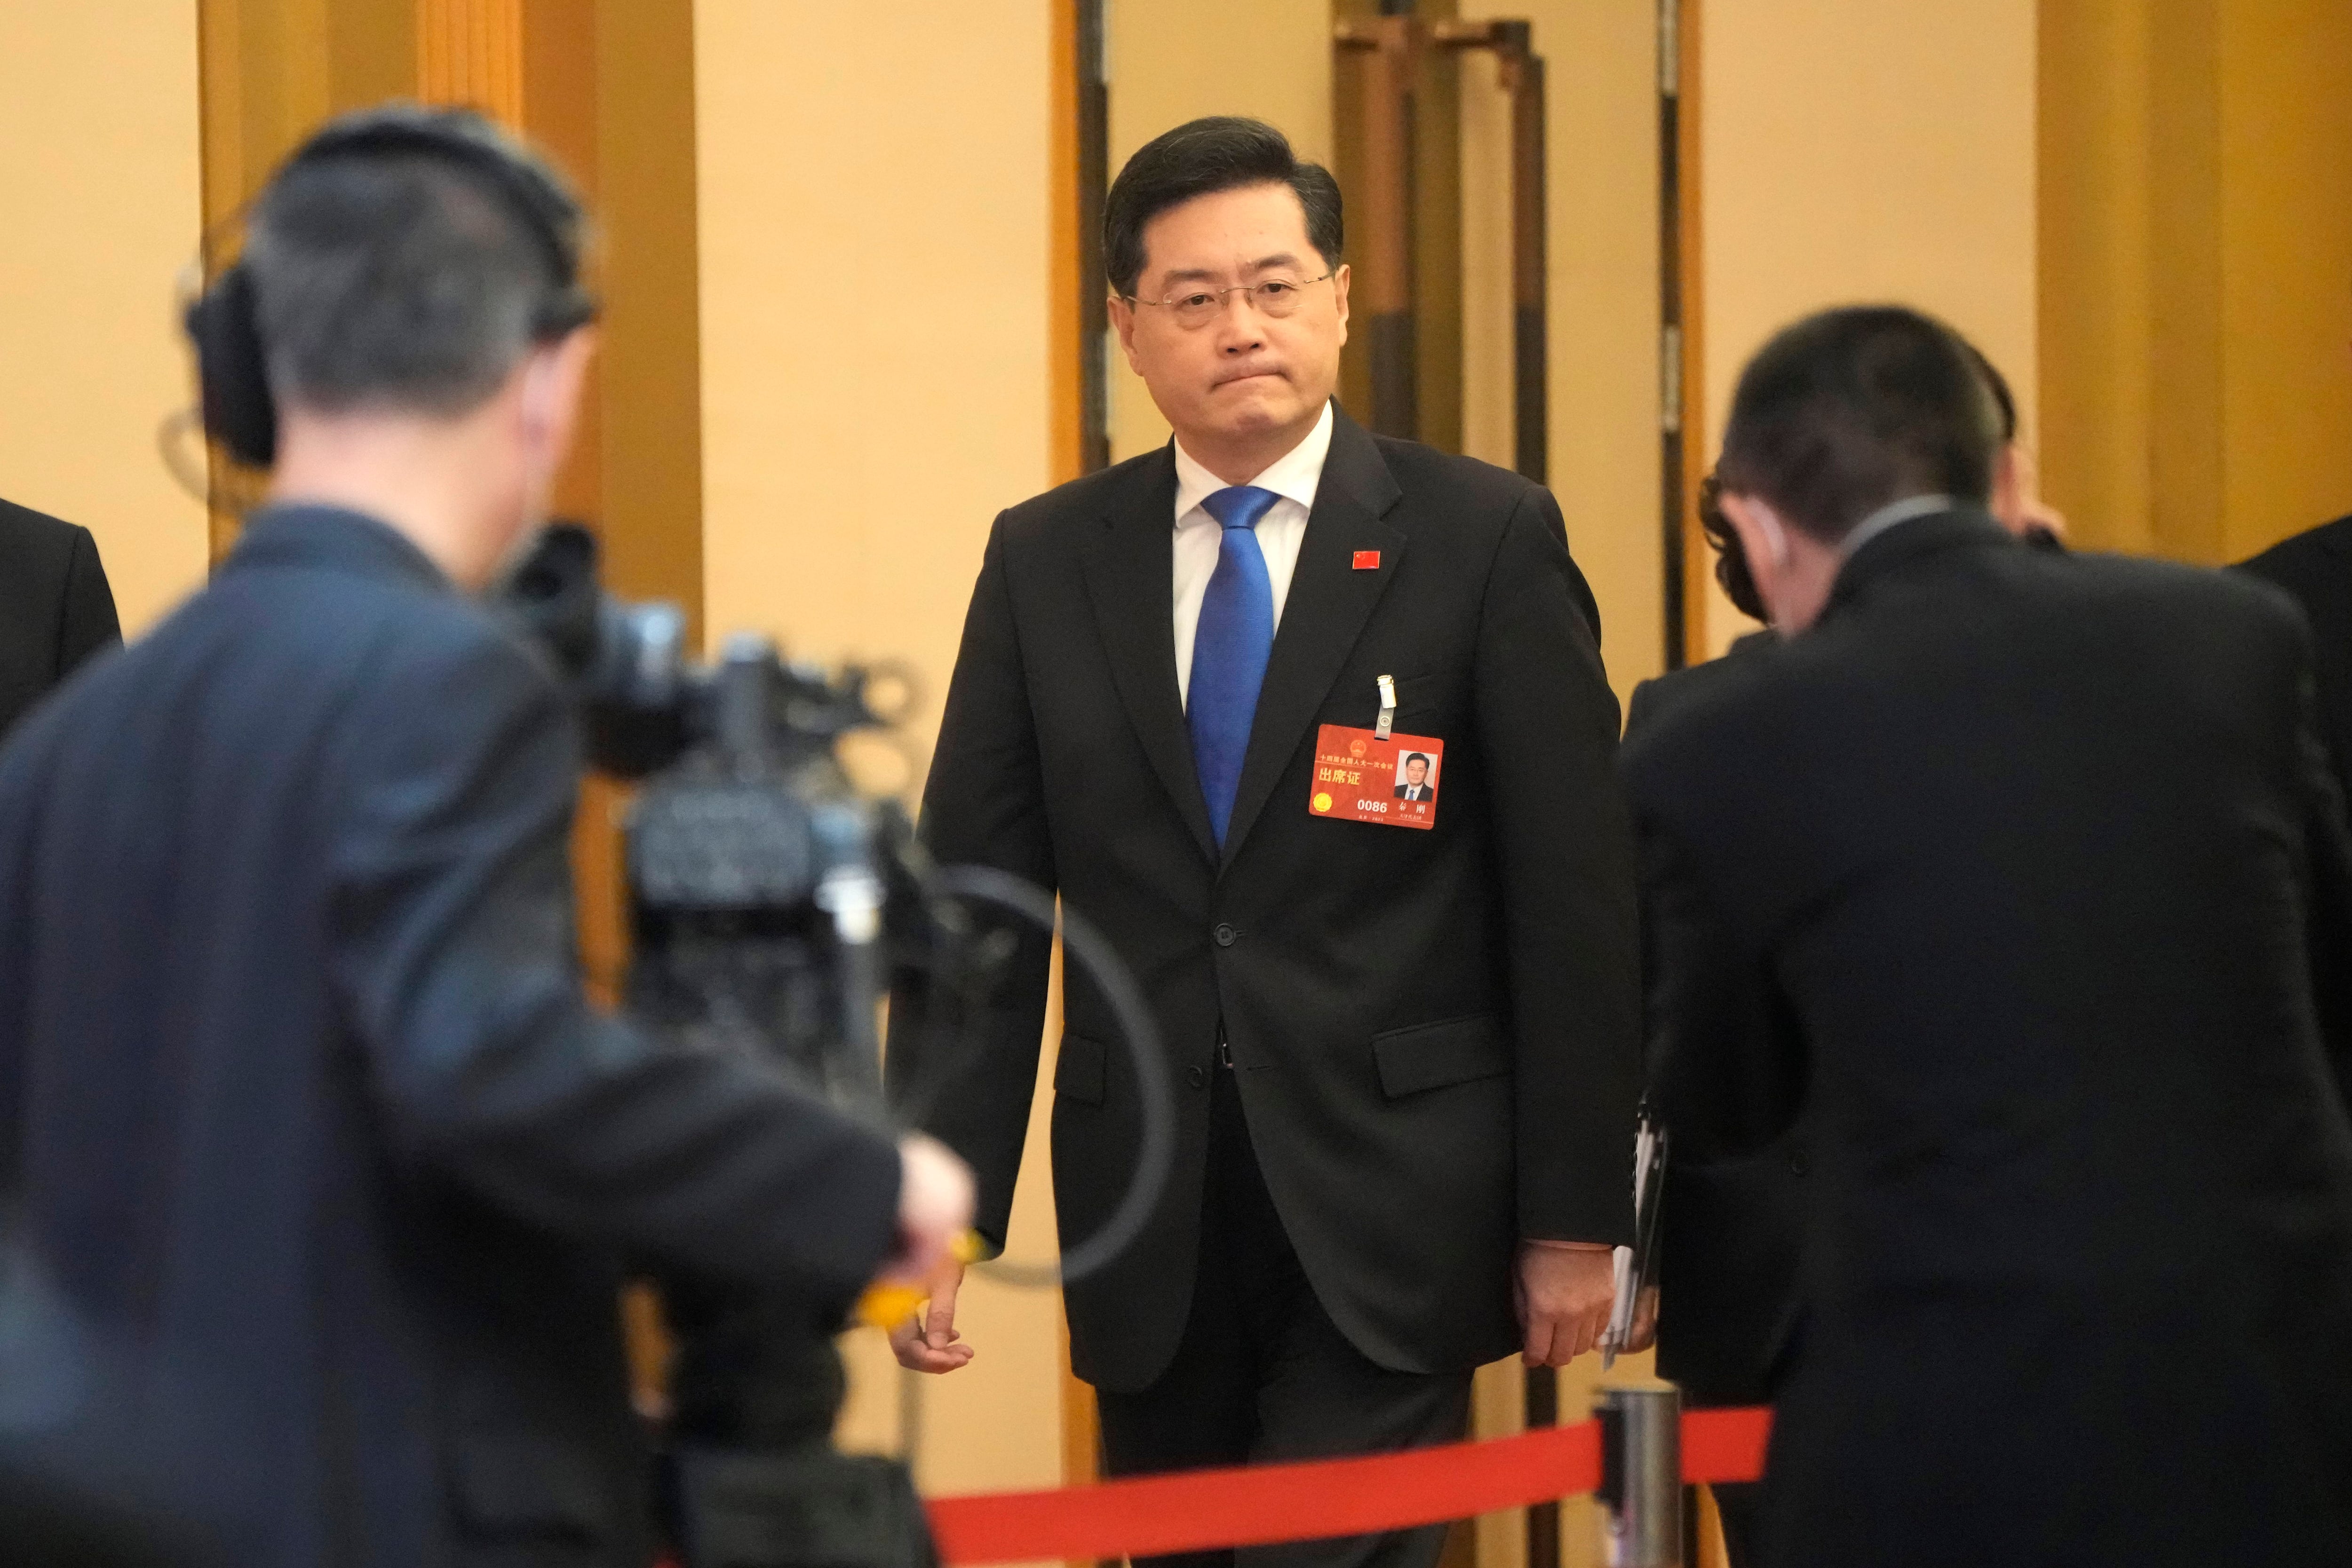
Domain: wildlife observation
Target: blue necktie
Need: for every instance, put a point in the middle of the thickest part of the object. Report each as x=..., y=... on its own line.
x=1229, y=647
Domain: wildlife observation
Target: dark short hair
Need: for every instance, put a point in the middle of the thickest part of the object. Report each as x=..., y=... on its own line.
x=1731, y=573
x=1200, y=158
x=1852, y=408
x=407, y=259
x=1413, y=756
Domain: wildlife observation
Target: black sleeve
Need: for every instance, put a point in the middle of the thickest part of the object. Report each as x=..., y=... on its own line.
x=1726, y=1068
x=454, y=952
x=1638, y=710
x=87, y=624
x=1547, y=726
x=2328, y=854
x=970, y=1079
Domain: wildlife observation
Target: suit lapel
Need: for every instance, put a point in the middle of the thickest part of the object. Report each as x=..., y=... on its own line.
x=1131, y=578
x=1327, y=605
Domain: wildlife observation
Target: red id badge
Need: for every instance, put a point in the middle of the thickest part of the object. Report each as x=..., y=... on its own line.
x=1364, y=778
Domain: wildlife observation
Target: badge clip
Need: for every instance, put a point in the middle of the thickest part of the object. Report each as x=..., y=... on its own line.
x=1387, y=708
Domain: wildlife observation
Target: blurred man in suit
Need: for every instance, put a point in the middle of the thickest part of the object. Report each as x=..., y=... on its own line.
x=1405, y=1057
x=2315, y=567
x=1730, y=1230
x=2022, y=873
x=56, y=609
x=298, y=1090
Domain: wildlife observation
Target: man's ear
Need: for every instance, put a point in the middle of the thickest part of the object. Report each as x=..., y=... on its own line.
x=1761, y=532
x=2008, y=488
x=1122, y=321
x=1339, y=276
x=552, y=380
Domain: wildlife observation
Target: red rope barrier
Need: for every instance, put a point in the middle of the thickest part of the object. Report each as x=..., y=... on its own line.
x=1261, y=1504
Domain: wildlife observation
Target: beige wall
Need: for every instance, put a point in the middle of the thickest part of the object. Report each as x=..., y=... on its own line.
x=101, y=188
x=873, y=197
x=1857, y=150
x=2197, y=270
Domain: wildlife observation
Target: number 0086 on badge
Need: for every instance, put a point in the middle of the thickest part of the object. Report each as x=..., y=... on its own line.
x=1364, y=776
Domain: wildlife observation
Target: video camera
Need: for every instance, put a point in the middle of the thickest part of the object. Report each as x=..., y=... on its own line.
x=771, y=907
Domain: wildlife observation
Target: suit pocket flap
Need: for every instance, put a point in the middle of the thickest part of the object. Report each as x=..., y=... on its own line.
x=1432, y=1055
x=1078, y=1070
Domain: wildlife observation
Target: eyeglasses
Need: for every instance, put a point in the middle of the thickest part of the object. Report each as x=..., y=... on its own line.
x=1274, y=297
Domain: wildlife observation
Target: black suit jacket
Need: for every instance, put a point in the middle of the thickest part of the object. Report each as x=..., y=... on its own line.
x=1731, y=1227
x=1436, y=1032
x=55, y=607
x=2315, y=567
x=301, y=1092
x=2023, y=872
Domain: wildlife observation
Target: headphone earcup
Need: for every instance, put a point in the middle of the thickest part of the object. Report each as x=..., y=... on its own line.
x=231, y=371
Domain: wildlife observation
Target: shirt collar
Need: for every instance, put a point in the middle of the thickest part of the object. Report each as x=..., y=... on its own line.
x=1888, y=515
x=1293, y=476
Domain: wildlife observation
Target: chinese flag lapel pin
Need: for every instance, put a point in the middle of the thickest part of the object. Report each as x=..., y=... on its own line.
x=1368, y=561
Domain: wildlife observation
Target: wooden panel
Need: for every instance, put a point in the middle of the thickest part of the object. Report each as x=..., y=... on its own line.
x=270, y=72
x=2286, y=213
x=1066, y=429
x=471, y=52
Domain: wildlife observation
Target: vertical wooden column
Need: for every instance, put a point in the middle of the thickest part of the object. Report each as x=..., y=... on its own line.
x=1520, y=74
x=1523, y=78
x=1381, y=213
x=1077, y=148
x=1682, y=346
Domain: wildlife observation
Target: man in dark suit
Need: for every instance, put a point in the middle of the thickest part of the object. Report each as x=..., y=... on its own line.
x=2315, y=567
x=2021, y=873
x=55, y=607
x=1405, y=1060
x=299, y=1097
x=1731, y=1229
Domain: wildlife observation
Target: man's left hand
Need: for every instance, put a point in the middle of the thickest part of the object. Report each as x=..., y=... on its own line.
x=1564, y=1292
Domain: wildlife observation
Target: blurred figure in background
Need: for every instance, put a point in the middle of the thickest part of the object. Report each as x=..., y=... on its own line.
x=2020, y=872
x=1730, y=1230
x=299, y=1088
x=56, y=609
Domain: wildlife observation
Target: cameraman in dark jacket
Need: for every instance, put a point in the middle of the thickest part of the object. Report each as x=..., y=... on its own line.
x=296, y=1079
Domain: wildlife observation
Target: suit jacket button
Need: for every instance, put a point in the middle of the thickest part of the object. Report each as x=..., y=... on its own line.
x=1798, y=1165
x=1225, y=934
x=1196, y=1076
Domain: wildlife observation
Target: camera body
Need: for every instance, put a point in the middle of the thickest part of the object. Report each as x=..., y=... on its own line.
x=762, y=888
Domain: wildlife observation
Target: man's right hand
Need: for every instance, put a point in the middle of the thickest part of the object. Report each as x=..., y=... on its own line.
x=928, y=1340
x=935, y=1206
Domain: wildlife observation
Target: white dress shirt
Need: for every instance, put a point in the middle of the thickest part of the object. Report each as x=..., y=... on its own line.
x=1200, y=538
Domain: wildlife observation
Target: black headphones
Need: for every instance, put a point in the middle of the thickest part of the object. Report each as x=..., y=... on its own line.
x=231, y=366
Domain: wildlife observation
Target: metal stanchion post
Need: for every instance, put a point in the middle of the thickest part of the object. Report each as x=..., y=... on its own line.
x=1641, y=1495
